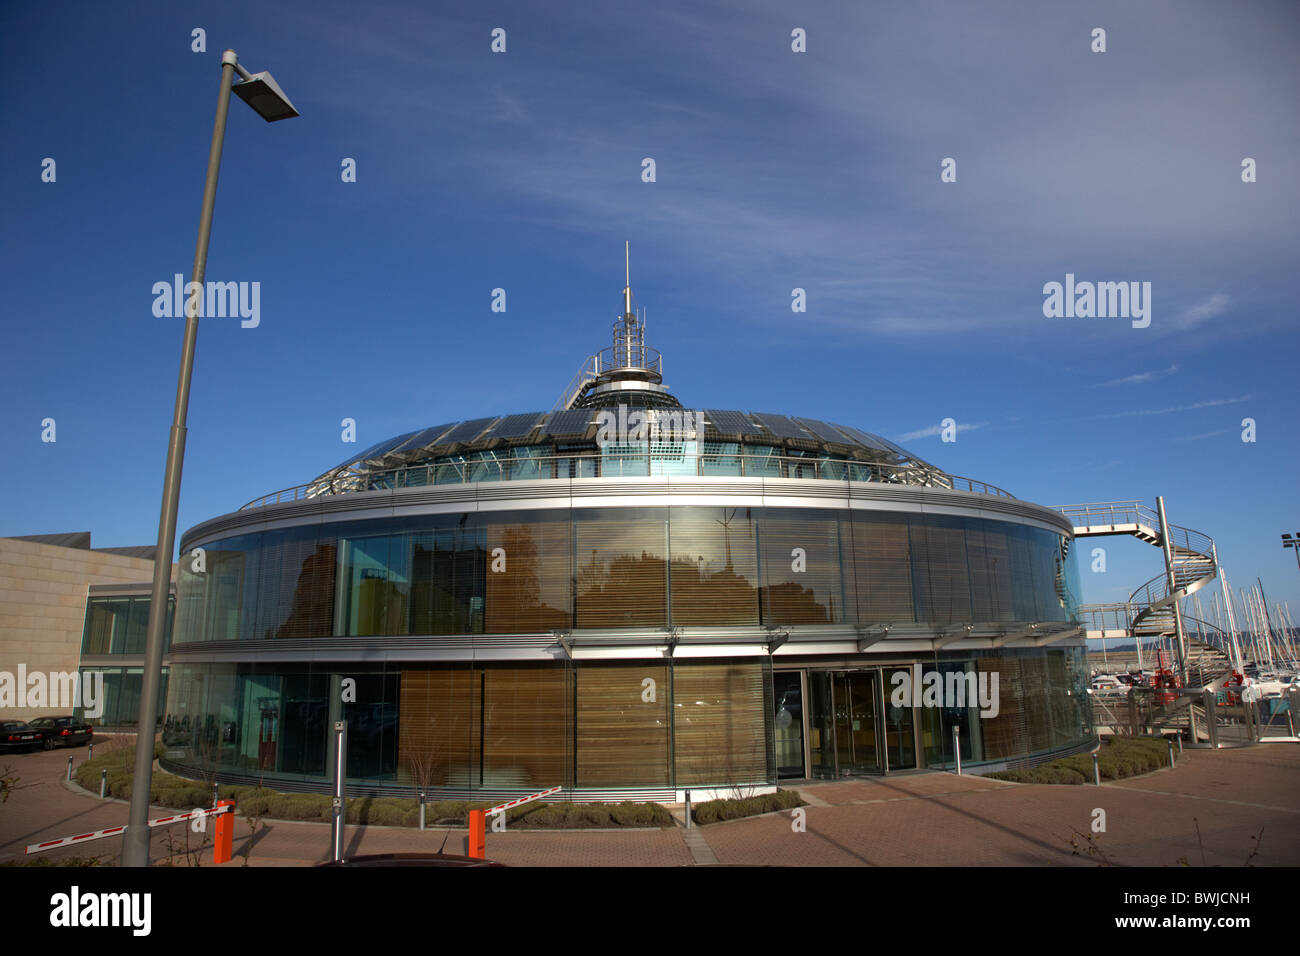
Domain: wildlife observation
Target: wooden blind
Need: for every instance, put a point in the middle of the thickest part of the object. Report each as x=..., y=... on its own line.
x=438, y=729
x=714, y=567
x=814, y=595
x=534, y=592
x=622, y=739
x=621, y=572
x=720, y=716
x=882, y=567
x=939, y=565
x=1006, y=734
x=526, y=717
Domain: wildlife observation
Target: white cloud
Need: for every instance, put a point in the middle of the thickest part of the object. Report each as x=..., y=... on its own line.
x=931, y=430
x=1211, y=308
x=1208, y=403
x=1138, y=378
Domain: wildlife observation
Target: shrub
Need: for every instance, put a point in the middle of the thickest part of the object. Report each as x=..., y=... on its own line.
x=714, y=811
x=1119, y=757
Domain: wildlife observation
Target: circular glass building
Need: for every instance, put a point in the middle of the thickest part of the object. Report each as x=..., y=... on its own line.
x=625, y=598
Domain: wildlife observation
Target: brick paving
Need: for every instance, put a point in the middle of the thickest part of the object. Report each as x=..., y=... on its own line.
x=908, y=820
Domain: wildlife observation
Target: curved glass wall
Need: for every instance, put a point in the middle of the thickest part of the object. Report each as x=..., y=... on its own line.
x=536, y=571
x=611, y=724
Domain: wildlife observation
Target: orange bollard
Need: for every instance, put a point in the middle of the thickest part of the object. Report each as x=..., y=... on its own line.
x=222, y=848
x=477, y=835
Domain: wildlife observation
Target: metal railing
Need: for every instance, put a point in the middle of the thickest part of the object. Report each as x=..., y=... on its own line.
x=1111, y=513
x=654, y=463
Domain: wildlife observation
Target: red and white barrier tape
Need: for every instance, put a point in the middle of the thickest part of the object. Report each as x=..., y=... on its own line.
x=522, y=800
x=112, y=831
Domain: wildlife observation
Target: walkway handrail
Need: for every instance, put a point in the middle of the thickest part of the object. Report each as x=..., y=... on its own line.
x=632, y=464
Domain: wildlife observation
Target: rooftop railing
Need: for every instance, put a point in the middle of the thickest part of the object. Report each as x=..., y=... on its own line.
x=469, y=469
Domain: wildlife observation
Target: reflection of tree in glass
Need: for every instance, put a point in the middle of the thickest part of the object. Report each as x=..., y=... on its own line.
x=312, y=612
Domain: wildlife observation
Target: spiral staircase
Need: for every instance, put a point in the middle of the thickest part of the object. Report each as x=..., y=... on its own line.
x=1152, y=612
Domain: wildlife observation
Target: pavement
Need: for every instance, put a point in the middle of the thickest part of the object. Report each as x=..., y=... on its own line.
x=1216, y=808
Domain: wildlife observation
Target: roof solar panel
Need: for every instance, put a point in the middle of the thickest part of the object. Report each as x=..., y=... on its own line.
x=421, y=439
x=731, y=423
x=865, y=438
x=466, y=431
x=570, y=422
x=375, y=451
x=875, y=442
x=825, y=431
x=514, y=426
x=783, y=427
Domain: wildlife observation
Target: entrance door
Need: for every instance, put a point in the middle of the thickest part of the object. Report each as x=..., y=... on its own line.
x=856, y=747
x=787, y=692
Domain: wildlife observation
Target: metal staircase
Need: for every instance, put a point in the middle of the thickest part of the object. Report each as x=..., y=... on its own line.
x=1153, y=611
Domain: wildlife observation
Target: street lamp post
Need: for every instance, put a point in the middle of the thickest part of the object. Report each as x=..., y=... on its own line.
x=261, y=93
x=1294, y=543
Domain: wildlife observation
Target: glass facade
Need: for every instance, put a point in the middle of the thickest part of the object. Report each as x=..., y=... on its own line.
x=471, y=727
x=533, y=572
x=120, y=706
x=595, y=723
x=119, y=624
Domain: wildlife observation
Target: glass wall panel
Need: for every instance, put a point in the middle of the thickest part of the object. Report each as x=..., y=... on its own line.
x=526, y=727
x=529, y=586
x=802, y=580
x=622, y=735
x=377, y=581
x=881, y=562
x=296, y=576
x=941, y=578
x=787, y=693
x=714, y=566
x=720, y=723
x=900, y=743
x=372, y=726
x=440, y=723
x=821, y=725
x=1020, y=555
x=449, y=568
x=106, y=625
x=621, y=568
x=955, y=703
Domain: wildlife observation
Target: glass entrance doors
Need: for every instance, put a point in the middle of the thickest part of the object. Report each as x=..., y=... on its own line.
x=844, y=724
x=855, y=722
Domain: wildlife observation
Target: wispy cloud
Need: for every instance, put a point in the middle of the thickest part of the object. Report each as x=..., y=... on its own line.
x=1201, y=313
x=931, y=430
x=1214, y=434
x=1138, y=378
x=1208, y=403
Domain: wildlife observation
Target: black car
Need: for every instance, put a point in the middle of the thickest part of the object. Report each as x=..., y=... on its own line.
x=63, y=731
x=18, y=735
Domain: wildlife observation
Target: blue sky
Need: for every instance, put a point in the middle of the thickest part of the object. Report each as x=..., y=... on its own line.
x=774, y=170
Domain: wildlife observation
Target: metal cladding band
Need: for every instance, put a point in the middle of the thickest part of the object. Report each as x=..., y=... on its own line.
x=626, y=492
